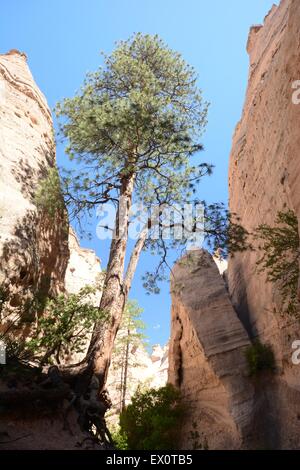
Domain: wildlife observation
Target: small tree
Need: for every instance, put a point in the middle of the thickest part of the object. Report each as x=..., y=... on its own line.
x=280, y=256
x=130, y=335
x=152, y=420
x=61, y=330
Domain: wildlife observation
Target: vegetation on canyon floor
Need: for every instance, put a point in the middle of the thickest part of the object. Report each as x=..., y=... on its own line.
x=151, y=421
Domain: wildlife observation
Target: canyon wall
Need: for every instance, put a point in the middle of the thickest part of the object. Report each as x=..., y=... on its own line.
x=264, y=178
x=33, y=248
x=264, y=171
x=40, y=257
x=34, y=254
x=207, y=357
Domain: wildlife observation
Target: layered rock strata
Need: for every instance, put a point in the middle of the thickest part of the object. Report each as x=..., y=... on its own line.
x=264, y=178
x=33, y=248
x=207, y=357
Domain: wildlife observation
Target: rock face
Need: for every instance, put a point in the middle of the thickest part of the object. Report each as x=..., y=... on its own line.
x=231, y=409
x=33, y=249
x=207, y=357
x=83, y=267
x=264, y=178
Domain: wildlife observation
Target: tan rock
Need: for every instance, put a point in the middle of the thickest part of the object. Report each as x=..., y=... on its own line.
x=264, y=177
x=206, y=357
x=33, y=249
x=84, y=268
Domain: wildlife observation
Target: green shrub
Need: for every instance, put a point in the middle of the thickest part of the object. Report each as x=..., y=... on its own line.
x=152, y=420
x=61, y=329
x=119, y=439
x=48, y=197
x=260, y=357
x=280, y=257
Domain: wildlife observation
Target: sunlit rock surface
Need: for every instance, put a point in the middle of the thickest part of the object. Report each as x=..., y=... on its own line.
x=207, y=356
x=264, y=178
x=33, y=249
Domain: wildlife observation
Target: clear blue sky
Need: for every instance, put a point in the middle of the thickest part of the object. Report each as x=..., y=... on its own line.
x=62, y=39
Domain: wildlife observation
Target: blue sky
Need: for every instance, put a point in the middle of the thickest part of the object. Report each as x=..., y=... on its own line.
x=62, y=39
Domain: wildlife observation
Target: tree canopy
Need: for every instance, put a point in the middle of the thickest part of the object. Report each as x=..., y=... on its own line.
x=142, y=115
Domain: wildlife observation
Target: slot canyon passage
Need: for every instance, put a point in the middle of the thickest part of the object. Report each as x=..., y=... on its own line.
x=220, y=309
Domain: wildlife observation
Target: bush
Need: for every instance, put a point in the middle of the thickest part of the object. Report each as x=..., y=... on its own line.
x=119, y=439
x=152, y=420
x=64, y=326
x=61, y=330
x=49, y=198
x=280, y=257
x=260, y=357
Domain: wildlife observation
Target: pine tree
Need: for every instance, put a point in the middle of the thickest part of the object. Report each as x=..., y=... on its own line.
x=134, y=132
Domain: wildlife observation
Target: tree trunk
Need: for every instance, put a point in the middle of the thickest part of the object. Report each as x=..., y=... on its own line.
x=114, y=296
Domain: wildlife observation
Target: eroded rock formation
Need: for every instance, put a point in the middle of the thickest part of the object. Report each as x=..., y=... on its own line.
x=264, y=179
x=207, y=360
x=84, y=268
x=33, y=249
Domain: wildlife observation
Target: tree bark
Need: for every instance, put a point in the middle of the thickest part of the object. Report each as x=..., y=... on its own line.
x=113, y=297
x=135, y=255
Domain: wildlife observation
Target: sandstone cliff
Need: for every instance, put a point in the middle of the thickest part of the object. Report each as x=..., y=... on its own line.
x=34, y=252
x=83, y=267
x=207, y=360
x=230, y=408
x=33, y=249
x=144, y=369
x=264, y=178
